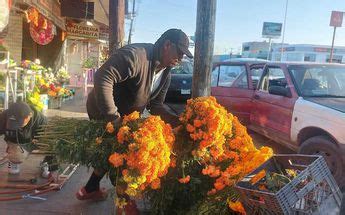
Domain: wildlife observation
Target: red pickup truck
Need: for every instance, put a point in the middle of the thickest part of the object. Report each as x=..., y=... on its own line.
x=299, y=105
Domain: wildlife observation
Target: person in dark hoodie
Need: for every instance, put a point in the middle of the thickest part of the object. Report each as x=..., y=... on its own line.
x=19, y=124
x=136, y=77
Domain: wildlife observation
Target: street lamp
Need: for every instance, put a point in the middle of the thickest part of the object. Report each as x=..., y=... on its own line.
x=283, y=37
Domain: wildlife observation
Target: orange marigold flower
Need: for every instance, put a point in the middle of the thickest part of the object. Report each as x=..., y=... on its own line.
x=156, y=184
x=116, y=159
x=173, y=163
x=190, y=128
x=99, y=140
x=131, y=117
x=212, y=192
x=197, y=123
x=121, y=135
x=184, y=180
x=258, y=177
x=219, y=186
x=237, y=207
x=109, y=128
x=125, y=172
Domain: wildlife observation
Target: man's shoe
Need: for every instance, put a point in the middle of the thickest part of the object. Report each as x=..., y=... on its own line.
x=13, y=168
x=98, y=195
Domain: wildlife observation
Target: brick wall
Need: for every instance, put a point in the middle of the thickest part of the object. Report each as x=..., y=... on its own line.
x=14, y=38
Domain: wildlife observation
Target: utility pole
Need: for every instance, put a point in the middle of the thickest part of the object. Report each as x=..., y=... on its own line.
x=116, y=24
x=283, y=37
x=204, y=44
x=131, y=27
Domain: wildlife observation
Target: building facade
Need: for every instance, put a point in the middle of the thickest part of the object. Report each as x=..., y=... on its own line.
x=309, y=53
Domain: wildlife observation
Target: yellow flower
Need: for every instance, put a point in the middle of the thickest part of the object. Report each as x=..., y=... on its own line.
x=120, y=202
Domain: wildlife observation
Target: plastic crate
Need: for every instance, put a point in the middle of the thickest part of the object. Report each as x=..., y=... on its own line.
x=312, y=191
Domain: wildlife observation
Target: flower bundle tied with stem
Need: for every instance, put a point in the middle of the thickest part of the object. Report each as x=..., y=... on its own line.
x=214, y=150
x=145, y=156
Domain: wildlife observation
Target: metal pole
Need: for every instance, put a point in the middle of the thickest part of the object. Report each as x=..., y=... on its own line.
x=283, y=37
x=131, y=27
x=332, y=49
x=269, y=48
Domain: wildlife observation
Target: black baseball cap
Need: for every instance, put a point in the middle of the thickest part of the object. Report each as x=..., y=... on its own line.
x=178, y=37
x=16, y=114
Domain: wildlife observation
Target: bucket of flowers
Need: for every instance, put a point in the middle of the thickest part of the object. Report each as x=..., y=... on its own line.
x=55, y=96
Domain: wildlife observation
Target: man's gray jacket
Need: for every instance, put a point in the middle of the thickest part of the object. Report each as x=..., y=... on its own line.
x=122, y=85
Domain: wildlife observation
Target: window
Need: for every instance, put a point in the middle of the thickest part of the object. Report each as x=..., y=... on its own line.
x=319, y=80
x=273, y=77
x=246, y=48
x=310, y=57
x=242, y=81
x=335, y=59
x=214, y=76
x=228, y=74
x=185, y=67
x=256, y=75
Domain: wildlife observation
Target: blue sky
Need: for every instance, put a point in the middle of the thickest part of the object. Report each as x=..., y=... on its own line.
x=240, y=21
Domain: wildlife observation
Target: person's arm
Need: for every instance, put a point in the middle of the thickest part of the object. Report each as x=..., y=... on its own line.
x=39, y=120
x=157, y=106
x=116, y=69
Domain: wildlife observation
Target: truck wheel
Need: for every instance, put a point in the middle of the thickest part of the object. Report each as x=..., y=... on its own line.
x=323, y=145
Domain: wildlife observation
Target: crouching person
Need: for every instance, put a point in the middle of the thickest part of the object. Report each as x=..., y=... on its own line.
x=19, y=124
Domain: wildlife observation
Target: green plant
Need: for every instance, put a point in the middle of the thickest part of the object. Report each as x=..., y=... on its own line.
x=89, y=63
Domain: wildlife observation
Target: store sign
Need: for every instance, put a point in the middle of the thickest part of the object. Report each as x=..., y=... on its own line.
x=320, y=49
x=50, y=9
x=336, y=19
x=271, y=29
x=84, y=31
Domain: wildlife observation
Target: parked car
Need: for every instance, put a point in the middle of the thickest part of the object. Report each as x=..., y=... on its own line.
x=300, y=105
x=181, y=82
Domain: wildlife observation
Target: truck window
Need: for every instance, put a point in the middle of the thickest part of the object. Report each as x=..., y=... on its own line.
x=256, y=75
x=228, y=74
x=214, y=76
x=273, y=77
x=242, y=81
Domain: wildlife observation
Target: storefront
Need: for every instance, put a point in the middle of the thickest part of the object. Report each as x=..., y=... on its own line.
x=85, y=47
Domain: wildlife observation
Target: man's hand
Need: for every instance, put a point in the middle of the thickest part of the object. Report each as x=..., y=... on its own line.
x=34, y=141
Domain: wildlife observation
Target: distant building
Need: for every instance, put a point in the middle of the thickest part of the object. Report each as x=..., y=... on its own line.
x=309, y=53
x=257, y=49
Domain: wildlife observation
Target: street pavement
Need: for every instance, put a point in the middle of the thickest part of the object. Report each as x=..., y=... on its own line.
x=64, y=201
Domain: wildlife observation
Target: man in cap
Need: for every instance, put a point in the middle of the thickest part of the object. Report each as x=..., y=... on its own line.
x=136, y=77
x=19, y=124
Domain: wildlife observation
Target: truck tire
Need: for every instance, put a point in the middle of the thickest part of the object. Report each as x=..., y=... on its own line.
x=323, y=145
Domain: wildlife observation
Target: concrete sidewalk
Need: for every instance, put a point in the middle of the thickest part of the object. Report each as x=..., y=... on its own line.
x=63, y=201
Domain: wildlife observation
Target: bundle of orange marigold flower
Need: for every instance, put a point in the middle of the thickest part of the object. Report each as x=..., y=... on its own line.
x=145, y=159
x=220, y=143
